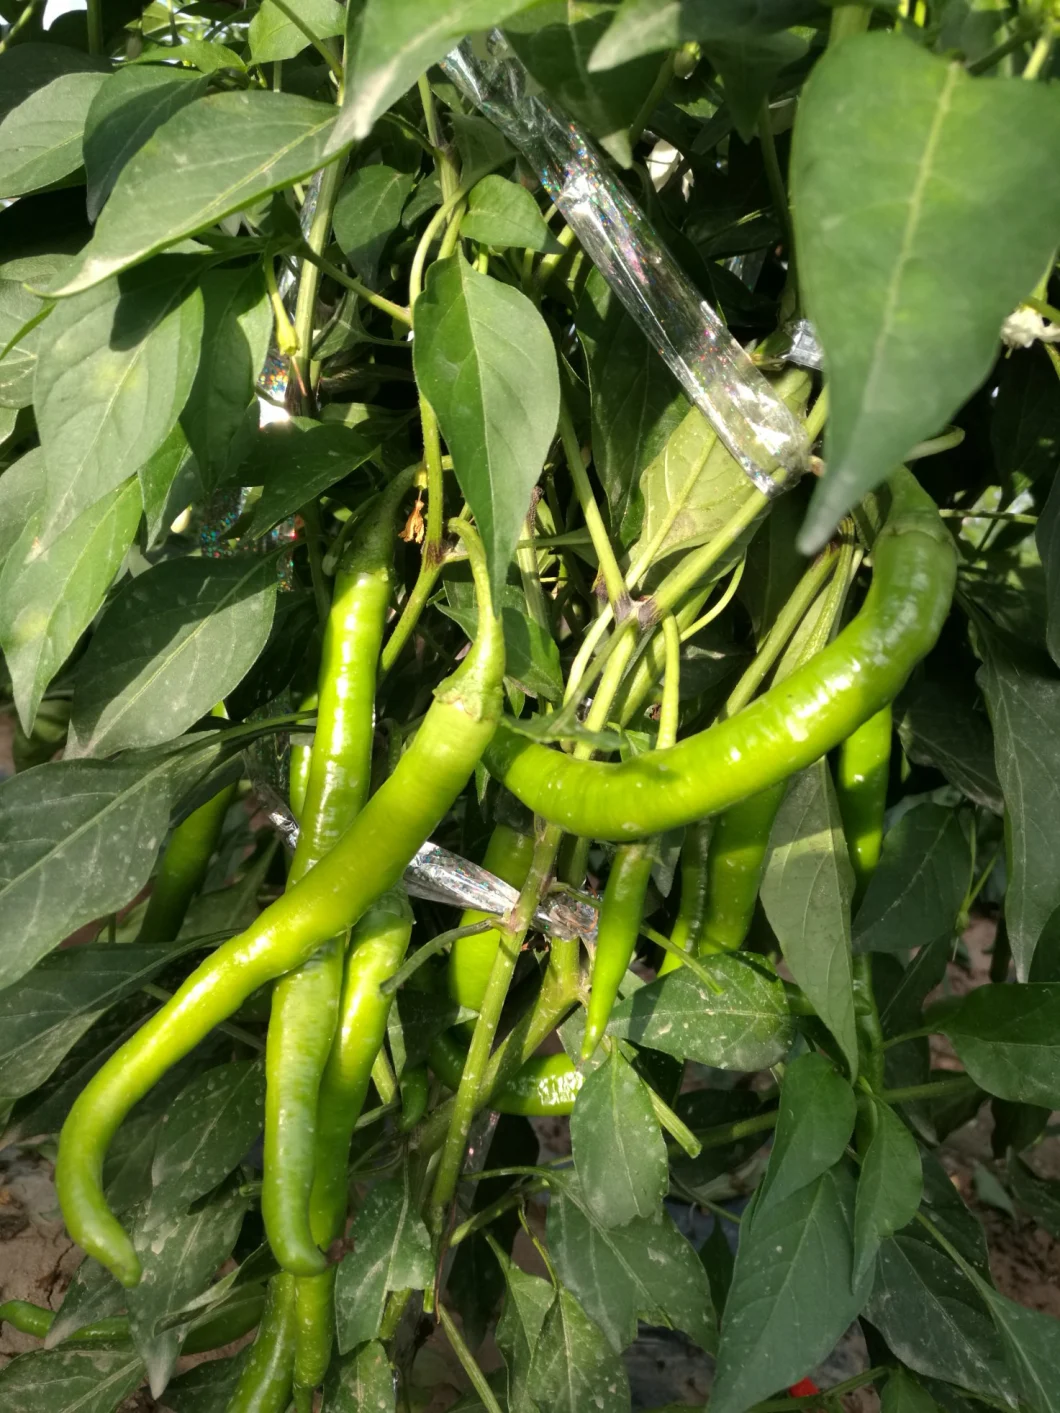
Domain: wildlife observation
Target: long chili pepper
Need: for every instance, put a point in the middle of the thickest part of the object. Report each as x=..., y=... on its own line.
x=265, y=1383
x=305, y=1003
x=619, y=928
x=377, y=948
x=786, y=729
x=735, y=864
x=183, y=868
x=220, y=1329
x=692, y=906
x=369, y=858
x=546, y=1086
x=861, y=788
x=508, y=855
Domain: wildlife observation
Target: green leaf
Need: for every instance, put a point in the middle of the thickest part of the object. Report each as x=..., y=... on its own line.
x=644, y=1270
x=637, y=406
x=649, y=26
x=126, y=110
x=902, y=1394
x=178, y=1251
x=161, y=475
x=501, y=212
x=45, y=1013
x=484, y=360
x=1023, y=697
x=806, y=892
x=367, y=213
x=361, y=1382
x=174, y=643
x=619, y=1153
x=814, y=1124
x=273, y=37
x=206, y=55
x=78, y=839
x=912, y=183
x=70, y=1380
x=392, y=1251
x=889, y=1188
x=748, y=66
x=1031, y=1342
x=1008, y=1039
x=573, y=1367
x=391, y=42
x=919, y=885
x=791, y=1297
x=21, y=315
x=745, y=1026
x=207, y=1131
x=1025, y=428
x=112, y=377
x=527, y=1303
x=25, y=68
x=230, y=150
x=1047, y=538
x=1037, y=1196
x=481, y=146
x=93, y=1294
x=296, y=461
x=531, y=657
x=208, y=1387
x=554, y=39
x=931, y=1318
x=40, y=140
x=946, y=1209
x=21, y=494
x=48, y=597
x=939, y=728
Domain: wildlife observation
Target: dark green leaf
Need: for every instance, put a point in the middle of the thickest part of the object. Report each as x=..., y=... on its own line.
x=902, y=1394
x=126, y=110
x=648, y=26
x=79, y=839
x=391, y=1251
x=525, y=1307
x=273, y=37
x=112, y=377
x=1025, y=428
x=745, y=1027
x=946, y=1209
x=49, y=596
x=391, y=42
x=1037, y=1196
x=20, y=323
x=1031, y=1342
x=207, y=1131
x=481, y=146
x=1008, y=1039
x=21, y=494
x=554, y=39
x=748, y=66
x=901, y=1007
x=889, y=1188
x=172, y=645
x=636, y=404
x=485, y=361
x=573, y=1367
x=619, y=1153
x=296, y=461
x=230, y=149
x=70, y=1380
x=932, y=1318
x=718, y=1261
x=912, y=182
x=644, y=1270
x=361, y=1382
x=1047, y=538
x=93, y=1294
x=208, y=1387
x=917, y=890
x=162, y=475
x=531, y=658
x=237, y=324
x=25, y=68
x=501, y=212
x=367, y=213
x=178, y=1251
x=43, y=1015
x=941, y=728
x=814, y=1124
x=806, y=892
x=791, y=1296
x=40, y=140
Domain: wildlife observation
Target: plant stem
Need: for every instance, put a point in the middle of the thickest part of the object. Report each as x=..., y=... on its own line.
x=724, y=1134
x=489, y=1214
x=647, y=108
x=385, y=306
x=1047, y=311
x=94, y=18
x=309, y=280
x=430, y=949
x=848, y=20
x=940, y=1089
x=448, y=175
x=310, y=513
x=775, y=179
x=613, y=578
x=1041, y=51
x=692, y=570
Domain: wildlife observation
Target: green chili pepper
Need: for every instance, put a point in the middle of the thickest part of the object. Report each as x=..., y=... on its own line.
x=692, y=907
x=183, y=867
x=305, y=1004
x=265, y=1383
x=508, y=855
x=415, y=1086
x=545, y=1087
x=735, y=864
x=861, y=787
x=26, y=1317
x=616, y=938
x=786, y=729
x=230, y=1322
x=377, y=948
x=369, y=858
x=299, y=757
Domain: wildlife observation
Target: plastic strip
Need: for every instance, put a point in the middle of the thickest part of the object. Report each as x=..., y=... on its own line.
x=760, y=431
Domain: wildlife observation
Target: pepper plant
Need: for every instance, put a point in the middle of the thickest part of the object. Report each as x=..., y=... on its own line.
x=354, y=535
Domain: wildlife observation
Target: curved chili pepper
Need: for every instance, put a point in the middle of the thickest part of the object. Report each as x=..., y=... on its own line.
x=183, y=868
x=786, y=729
x=369, y=858
x=616, y=938
x=265, y=1383
x=508, y=855
x=228, y=1324
x=377, y=948
x=415, y=1086
x=305, y=1003
x=861, y=776
x=545, y=1087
